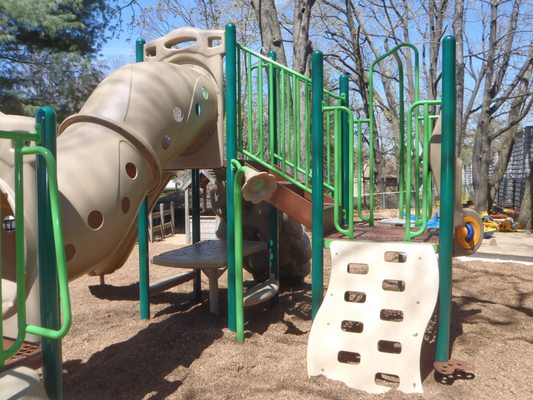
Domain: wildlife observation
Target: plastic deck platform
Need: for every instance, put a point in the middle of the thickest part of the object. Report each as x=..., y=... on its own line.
x=384, y=233
x=29, y=355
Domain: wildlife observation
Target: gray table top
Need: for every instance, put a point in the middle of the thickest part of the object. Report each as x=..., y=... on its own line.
x=204, y=254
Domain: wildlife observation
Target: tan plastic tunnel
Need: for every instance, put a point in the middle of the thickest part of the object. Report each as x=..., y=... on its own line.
x=141, y=123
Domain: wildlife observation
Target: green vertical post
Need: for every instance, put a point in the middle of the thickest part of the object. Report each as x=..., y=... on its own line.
x=317, y=92
x=346, y=151
x=195, y=179
x=273, y=224
x=447, y=197
x=231, y=154
x=237, y=201
x=48, y=281
x=142, y=224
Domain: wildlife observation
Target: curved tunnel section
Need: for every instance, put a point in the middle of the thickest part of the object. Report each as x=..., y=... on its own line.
x=110, y=154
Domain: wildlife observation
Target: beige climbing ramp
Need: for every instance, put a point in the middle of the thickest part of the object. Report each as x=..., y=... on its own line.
x=368, y=332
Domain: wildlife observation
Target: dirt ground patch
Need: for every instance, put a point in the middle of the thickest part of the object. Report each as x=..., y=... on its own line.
x=185, y=352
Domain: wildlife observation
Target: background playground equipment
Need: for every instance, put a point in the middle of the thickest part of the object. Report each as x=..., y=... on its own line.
x=136, y=129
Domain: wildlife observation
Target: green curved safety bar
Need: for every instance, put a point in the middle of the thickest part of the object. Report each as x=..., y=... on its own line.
x=426, y=174
x=23, y=326
x=394, y=53
x=58, y=245
x=337, y=194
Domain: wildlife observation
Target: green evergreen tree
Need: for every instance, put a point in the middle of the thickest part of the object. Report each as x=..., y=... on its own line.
x=48, y=53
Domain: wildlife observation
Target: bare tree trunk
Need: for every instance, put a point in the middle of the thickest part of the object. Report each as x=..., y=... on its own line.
x=268, y=21
x=480, y=164
x=527, y=202
x=517, y=109
x=495, y=68
x=458, y=25
x=504, y=155
x=437, y=12
x=302, y=47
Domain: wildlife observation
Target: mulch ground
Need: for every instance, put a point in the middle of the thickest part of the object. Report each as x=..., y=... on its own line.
x=185, y=352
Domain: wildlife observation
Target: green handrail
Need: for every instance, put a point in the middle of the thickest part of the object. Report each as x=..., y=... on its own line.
x=394, y=53
x=426, y=174
x=338, y=169
x=360, y=188
x=287, y=131
x=58, y=246
x=23, y=326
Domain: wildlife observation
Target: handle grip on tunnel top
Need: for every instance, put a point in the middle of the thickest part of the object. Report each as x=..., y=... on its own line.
x=58, y=245
x=186, y=40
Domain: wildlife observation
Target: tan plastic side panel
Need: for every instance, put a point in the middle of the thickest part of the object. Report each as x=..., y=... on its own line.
x=435, y=145
x=352, y=338
x=7, y=206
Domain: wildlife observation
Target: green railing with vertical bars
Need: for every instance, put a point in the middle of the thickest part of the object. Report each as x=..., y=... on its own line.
x=23, y=147
x=274, y=127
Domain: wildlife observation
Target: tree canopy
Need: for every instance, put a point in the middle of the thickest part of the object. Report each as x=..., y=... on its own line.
x=48, y=48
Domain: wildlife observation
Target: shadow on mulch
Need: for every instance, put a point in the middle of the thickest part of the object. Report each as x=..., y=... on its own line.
x=144, y=360
x=291, y=301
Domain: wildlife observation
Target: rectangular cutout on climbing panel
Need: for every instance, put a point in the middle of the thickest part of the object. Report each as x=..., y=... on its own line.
x=391, y=315
x=388, y=380
x=393, y=285
x=352, y=326
x=395, y=256
x=358, y=268
x=354, y=297
x=348, y=357
x=388, y=346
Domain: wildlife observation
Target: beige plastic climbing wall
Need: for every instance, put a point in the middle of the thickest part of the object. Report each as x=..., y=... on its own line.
x=368, y=332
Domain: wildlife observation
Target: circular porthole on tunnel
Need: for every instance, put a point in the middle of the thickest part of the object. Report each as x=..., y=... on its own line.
x=131, y=170
x=165, y=142
x=70, y=251
x=8, y=224
x=95, y=219
x=205, y=93
x=177, y=113
x=198, y=109
x=125, y=205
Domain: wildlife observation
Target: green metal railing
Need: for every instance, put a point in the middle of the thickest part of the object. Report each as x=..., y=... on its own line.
x=21, y=149
x=422, y=214
x=279, y=138
x=394, y=52
x=413, y=157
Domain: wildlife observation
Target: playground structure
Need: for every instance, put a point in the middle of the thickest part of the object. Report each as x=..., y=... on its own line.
x=136, y=129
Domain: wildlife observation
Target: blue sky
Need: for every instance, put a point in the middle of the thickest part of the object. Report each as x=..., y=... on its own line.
x=121, y=49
